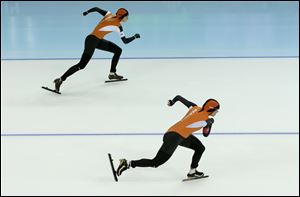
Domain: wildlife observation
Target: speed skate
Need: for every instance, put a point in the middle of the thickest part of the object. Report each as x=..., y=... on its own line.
x=195, y=178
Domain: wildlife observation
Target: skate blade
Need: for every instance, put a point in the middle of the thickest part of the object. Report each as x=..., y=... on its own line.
x=46, y=88
x=115, y=80
x=195, y=178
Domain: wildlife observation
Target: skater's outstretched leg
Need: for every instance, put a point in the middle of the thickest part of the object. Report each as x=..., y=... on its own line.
x=160, y=158
x=81, y=65
x=171, y=141
x=90, y=45
x=85, y=58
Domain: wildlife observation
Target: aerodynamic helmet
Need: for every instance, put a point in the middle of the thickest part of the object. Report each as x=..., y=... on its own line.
x=121, y=13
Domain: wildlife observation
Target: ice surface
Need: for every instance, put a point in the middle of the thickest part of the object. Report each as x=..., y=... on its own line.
x=256, y=95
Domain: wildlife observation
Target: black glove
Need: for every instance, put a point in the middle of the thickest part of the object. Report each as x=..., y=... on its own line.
x=170, y=103
x=210, y=121
x=137, y=36
x=85, y=13
x=207, y=128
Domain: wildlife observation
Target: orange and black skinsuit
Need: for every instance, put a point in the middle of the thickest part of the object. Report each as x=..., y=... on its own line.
x=180, y=134
x=96, y=40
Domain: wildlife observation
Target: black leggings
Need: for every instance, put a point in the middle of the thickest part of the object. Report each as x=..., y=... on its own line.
x=92, y=43
x=171, y=141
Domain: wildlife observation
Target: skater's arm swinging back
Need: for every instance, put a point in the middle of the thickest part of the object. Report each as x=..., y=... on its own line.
x=187, y=103
x=96, y=9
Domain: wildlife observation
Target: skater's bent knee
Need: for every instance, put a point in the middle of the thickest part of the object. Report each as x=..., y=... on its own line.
x=118, y=51
x=200, y=149
x=203, y=148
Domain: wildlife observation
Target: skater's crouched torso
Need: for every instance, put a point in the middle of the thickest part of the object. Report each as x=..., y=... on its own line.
x=108, y=24
x=194, y=120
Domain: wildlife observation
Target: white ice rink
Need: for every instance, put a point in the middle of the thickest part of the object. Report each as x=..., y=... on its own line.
x=78, y=128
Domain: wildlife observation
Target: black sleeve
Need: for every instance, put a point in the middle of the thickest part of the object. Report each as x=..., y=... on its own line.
x=124, y=39
x=96, y=9
x=127, y=40
x=184, y=101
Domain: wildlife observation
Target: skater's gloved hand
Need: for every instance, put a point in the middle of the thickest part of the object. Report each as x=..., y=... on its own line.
x=207, y=128
x=85, y=13
x=210, y=121
x=170, y=102
x=137, y=36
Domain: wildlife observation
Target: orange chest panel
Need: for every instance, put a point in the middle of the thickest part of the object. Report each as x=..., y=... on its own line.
x=107, y=25
x=193, y=121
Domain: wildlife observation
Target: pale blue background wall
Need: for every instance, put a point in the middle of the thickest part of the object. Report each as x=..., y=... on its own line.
x=33, y=30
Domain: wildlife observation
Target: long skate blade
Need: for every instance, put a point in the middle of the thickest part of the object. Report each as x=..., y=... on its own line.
x=195, y=178
x=46, y=88
x=112, y=167
x=115, y=80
